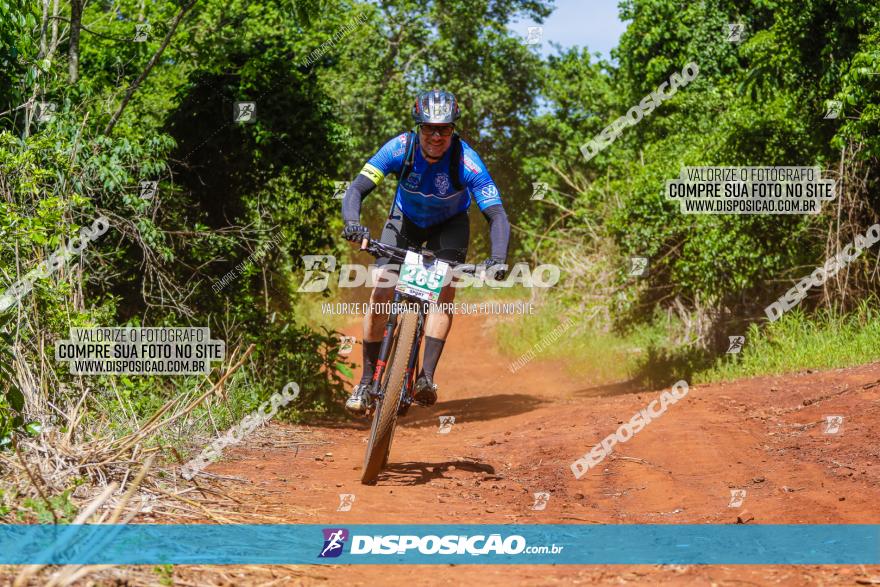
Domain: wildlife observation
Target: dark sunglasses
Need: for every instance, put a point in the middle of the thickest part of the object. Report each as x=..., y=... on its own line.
x=443, y=131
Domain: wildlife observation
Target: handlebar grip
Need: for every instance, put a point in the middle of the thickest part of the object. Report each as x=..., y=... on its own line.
x=466, y=268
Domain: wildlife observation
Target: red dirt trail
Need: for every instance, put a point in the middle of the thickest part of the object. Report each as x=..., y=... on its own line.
x=517, y=434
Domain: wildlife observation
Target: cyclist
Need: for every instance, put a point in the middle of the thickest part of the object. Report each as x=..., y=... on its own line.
x=438, y=173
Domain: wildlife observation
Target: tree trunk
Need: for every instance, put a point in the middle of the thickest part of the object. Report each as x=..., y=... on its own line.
x=76, y=7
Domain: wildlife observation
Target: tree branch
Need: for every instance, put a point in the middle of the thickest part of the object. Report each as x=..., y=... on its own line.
x=134, y=86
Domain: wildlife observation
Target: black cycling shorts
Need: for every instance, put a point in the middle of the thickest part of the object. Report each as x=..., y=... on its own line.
x=449, y=239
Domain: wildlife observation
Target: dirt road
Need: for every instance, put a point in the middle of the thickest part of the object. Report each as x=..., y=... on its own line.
x=517, y=434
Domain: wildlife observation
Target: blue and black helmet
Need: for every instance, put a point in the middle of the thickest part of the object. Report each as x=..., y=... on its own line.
x=436, y=107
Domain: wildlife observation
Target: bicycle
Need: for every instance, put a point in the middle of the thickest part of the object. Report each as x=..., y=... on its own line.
x=419, y=284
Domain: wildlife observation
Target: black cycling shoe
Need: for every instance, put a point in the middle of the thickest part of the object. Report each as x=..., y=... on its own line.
x=426, y=391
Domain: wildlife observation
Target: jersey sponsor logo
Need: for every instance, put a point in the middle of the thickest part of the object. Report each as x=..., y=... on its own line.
x=441, y=182
x=412, y=182
x=471, y=165
x=402, y=148
x=372, y=173
x=490, y=191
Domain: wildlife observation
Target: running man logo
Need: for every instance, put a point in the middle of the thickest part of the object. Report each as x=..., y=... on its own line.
x=735, y=32
x=148, y=189
x=46, y=111
x=637, y=266
x=833, y=110
x=334, y=542
x=339, y=189
x=245, y=112
x=833, y=424
x=446, y=423
x=737, y=497
x=318, y=270
x=534, y=35
x=539, y=190
x=541, y=499
x=346, y=345
x=346, y=500
x=141, y=32
x=735, y=344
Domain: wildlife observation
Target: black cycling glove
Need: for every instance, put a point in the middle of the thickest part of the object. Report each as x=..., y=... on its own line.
x=495, y=268
x=355, y=232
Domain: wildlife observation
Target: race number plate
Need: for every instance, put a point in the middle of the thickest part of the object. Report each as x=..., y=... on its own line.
x=419, y=281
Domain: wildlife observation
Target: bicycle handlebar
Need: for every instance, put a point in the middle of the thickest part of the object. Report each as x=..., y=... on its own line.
x=380, y=249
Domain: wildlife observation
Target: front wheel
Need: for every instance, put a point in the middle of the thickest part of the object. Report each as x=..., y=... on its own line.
x=385, y=415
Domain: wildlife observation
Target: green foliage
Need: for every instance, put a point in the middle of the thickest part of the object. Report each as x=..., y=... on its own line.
x=165, y=574
x=35, y=510
x=826, y=340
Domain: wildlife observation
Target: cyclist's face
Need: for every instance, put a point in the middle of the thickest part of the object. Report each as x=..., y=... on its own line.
x=435, y=144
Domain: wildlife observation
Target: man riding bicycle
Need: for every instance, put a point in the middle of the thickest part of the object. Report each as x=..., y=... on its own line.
x=438, y=173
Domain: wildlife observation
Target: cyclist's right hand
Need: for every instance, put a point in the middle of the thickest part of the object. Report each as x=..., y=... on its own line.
x=355, y=232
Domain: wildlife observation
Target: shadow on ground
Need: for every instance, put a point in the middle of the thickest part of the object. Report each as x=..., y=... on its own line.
x=418, y=473
x=476, y=409
x=612, y=389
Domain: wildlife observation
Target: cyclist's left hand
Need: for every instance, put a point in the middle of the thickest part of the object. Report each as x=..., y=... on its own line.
x=495, y=268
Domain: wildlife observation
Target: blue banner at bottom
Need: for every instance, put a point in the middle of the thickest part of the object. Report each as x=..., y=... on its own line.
x=704, y=544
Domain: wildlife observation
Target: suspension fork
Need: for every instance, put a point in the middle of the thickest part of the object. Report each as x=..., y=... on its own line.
x=412, y=365
x=385, y=348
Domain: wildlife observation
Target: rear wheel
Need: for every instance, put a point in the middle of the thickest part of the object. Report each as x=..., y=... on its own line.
x=385, y=415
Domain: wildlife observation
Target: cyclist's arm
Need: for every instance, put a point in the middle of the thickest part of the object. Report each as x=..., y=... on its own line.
x=499, y=230
x=488, y=198
x=389, y=159
x=359, y=189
